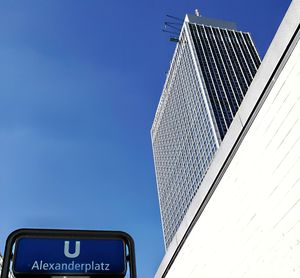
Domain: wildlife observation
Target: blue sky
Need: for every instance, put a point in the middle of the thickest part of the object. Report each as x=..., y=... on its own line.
x=79, y=84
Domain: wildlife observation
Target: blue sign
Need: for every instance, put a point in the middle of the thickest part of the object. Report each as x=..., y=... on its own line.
x=50, y=256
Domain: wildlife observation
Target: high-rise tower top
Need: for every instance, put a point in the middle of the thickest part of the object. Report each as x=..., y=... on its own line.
x=192, y=18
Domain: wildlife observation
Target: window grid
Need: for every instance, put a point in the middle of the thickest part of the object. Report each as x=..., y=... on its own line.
x=182, y=135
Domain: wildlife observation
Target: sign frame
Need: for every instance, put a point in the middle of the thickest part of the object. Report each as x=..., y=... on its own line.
x=69, y=234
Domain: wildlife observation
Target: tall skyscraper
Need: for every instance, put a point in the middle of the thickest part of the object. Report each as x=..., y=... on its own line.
x=211, y=70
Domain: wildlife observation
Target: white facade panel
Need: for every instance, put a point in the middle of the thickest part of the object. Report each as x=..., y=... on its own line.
x=251, y=225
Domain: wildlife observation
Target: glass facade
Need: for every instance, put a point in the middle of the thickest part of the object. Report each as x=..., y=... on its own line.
x=228, y=63
x=209, y=75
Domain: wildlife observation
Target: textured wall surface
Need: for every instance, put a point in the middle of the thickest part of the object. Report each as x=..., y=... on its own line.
x=251, y=225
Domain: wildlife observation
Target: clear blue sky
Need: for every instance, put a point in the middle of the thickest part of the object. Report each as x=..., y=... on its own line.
x=79, y=84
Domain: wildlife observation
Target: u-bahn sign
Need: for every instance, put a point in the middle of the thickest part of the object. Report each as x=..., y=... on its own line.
x=69, y=256
x=46, y=253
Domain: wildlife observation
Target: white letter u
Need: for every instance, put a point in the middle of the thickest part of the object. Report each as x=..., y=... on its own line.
x=67, y=249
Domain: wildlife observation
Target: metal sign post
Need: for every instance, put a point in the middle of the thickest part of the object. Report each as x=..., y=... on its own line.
x=47, y=253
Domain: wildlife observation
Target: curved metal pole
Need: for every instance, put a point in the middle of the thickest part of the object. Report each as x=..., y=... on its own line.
x=8, y=252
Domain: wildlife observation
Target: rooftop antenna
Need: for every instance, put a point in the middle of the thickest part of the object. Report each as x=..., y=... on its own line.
x=173, y=27
x=180, y=20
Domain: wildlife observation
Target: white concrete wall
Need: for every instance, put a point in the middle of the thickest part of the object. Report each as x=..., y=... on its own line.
x=251, y=225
